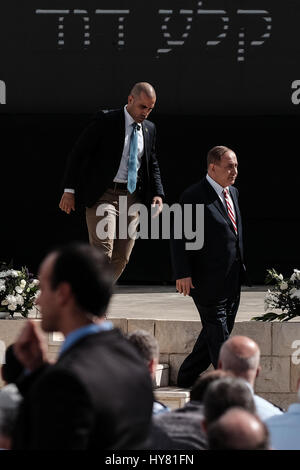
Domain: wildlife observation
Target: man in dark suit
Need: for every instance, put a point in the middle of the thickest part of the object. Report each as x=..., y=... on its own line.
x=98, y=395
x=213, y=274
x=115, y=156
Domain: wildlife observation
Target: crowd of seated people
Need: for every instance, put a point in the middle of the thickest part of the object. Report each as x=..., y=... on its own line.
x=98, y=394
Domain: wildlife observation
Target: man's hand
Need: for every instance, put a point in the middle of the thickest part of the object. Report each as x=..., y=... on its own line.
x=67, y=202
x=31, y=347
x=157, y=201
x=184, y=285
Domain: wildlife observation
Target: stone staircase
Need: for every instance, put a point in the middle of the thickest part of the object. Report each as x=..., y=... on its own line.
x=171, y=396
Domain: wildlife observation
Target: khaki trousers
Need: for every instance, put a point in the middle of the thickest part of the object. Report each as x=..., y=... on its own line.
x=104, y=229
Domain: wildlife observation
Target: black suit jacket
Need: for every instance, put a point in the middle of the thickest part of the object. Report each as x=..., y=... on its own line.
x=94, y=161
x=97, y=396
x=210, y=266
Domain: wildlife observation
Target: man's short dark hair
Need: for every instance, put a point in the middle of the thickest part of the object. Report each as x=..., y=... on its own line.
x=145, y=343
x=87, y=271
x=200, y=386
x=215, y=154
x=225, y=393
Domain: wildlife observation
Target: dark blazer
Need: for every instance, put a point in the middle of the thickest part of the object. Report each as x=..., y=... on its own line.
x=94, y=161
x=210, y=266
x=97, y=396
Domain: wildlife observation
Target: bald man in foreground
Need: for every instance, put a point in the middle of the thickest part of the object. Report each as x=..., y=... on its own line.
x=112, y=167
x=237, y=429
x=240, y=356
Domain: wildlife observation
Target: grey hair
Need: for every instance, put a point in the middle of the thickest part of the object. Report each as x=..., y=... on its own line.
x=237, y=363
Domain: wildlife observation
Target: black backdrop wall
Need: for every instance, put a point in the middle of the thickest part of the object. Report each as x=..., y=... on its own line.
x=225, y=73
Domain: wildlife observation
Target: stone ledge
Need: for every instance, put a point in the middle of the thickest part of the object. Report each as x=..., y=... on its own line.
x=173, y=397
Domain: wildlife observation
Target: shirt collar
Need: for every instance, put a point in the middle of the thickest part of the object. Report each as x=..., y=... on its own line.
x=86, y=330
x=217, y=187
x=128, y=118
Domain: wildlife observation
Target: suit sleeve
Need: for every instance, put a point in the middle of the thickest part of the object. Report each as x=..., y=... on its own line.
x=81, y=152
x=155, y=177
x=62, y=413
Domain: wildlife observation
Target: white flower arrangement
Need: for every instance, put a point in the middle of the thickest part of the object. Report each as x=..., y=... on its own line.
x=18, y=290
x=284, y=295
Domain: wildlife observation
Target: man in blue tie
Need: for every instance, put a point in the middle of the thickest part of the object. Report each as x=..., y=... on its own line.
x=114, y=157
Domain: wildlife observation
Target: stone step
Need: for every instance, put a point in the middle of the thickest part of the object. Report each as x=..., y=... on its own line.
x=162, y=375
x=173, y=397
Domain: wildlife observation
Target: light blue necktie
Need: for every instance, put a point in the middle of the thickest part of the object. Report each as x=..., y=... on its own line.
x=132, y=162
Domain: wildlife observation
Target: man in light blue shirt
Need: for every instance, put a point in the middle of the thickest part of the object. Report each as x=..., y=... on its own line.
x=285, y=429
x=240, y=356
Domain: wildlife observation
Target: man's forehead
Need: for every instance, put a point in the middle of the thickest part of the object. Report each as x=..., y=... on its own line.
x=46, y=265
x=229, y=156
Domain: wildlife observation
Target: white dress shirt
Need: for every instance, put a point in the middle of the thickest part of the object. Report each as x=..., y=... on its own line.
x=121, y=176
x=219, y=190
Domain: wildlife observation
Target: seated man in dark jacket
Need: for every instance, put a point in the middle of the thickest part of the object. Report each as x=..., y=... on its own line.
x=98, y=395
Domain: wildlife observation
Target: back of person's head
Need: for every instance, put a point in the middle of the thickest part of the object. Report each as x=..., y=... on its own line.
x=87, y=271
x=226, y=393
x=240, y=355
x=237, y=429
x=200, y=386
x=10, y=374
x=146, y=344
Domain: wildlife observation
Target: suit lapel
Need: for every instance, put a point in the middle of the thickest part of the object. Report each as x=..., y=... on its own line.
x=146, y=139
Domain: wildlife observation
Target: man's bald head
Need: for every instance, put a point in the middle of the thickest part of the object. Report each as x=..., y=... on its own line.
x=143, y=87
x=237, y=429
x=240, y=355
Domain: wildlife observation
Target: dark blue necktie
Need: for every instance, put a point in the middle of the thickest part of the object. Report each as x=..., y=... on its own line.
x=132, y=162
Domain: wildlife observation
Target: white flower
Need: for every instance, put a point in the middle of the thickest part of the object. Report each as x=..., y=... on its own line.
x=280, y=277
x=19, y=289
x=12, y=307
x=13, y=273
x=34, y=283
x=19, y=300
x=2, y=288
x=23, y=283
x=284, y=285
x=296, y=294
x=2, y=282
x=4, y=273
x=4, y=302
x=11, y=299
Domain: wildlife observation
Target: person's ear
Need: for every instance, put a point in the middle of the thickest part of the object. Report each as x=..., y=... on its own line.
x=64, y=291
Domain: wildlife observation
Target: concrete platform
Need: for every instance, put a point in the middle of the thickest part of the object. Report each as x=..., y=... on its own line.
x=164, y=303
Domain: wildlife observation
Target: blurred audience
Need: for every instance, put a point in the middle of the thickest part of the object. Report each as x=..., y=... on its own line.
x=284, y=429
x=98, y=395
x=223, y=394
x=240, y=356
x=148, y=348
x=183, y=425
x=237, y=429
